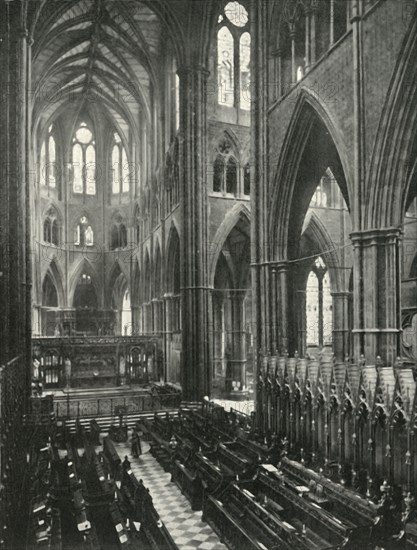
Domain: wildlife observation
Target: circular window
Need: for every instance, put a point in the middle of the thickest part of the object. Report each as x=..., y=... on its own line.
x=236, y=14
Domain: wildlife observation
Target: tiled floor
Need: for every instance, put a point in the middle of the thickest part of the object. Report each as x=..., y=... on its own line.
x=185, y=526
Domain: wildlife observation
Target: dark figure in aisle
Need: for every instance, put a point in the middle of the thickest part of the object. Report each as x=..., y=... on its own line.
x=136, y=445
x=126, y=464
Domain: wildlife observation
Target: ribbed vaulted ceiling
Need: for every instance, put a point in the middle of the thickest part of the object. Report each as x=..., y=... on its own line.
x=102, y=51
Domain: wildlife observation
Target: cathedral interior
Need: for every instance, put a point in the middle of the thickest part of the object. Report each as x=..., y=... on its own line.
x=208, y=274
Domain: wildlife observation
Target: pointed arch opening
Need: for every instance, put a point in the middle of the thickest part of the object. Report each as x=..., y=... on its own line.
x=118, y=292
x=85, y=303
x=314, y=221
x=50, y=315
x=232, y=310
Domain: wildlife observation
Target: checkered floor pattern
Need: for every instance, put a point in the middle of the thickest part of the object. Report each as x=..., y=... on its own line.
x=185, y=525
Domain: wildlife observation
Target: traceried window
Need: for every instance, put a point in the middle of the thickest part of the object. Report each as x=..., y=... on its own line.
x=120, y=167
x=51, y=227
x=312, y=309
x=84, y=161
x=244, y=67
x=225, y=169
x=83, y=234
x=319, y=314
x=48, y=166
x=233, y=57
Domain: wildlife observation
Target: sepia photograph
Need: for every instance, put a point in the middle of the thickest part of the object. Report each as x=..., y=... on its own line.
x=208, y=274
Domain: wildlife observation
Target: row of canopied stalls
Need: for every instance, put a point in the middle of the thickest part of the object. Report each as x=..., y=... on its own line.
x=355, y=420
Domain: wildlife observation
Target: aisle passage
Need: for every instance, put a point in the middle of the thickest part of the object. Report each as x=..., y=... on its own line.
x=184, y=525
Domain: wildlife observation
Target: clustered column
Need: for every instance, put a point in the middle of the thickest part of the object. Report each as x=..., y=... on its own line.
x=377, y=322
x=260, y=236
x=196, y=364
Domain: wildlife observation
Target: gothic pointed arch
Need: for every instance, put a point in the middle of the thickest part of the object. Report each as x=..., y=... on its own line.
x=117, y=273
x=173, y=268
x=312, y=137
x=117, y=286
x=316, y=230
x=393, y=167
x=239, y=212
x=49, y=292
x=147, y=281
x=84, y=267
x=157, y=271
x=135, y=291
x=55, y=273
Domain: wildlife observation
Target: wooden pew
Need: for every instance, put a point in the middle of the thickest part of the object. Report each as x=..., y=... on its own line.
x=141, y=510
x=338, y=499
x=260, y=449
x=411, y=535
x=319, y=520
x=44, y=526
x=161, y=450
x=270, y=514
x=240, y=465
x=198, y=442
x=119, y=526
x=189, y=483
x=98, y=488
x=228, y=528
x=112, y=457
x=215, y=476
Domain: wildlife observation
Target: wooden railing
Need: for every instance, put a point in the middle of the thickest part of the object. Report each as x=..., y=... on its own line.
x=96, y=407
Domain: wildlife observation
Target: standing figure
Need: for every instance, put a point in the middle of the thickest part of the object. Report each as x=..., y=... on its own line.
x=136, y=445
x=67, y=372
x=122, y=370
x=126, y=464
x=35, y=369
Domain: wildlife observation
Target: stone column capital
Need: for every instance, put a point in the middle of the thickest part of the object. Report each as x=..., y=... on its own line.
x=375, y=236
x=187, y=70
x=280, y=265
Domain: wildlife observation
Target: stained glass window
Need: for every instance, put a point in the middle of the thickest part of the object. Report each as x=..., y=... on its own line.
x=48, y=166
x=245, y=92
x=312, y=306
x=84, y=161
x=226, y=79
x=50, y=227
x=120, y=167
x=236, y=14
x=83, y=233
x=233, y=57
x=319, y=306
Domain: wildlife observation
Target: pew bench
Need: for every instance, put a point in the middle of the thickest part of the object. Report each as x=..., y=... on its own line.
x=189, y=483
x=111, y=456
x=228, y=529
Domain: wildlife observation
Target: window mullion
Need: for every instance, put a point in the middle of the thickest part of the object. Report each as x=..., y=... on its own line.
x=46, y=169
x=120, y=170
x=236, y=68
x=321, y=339
x=83, y=173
